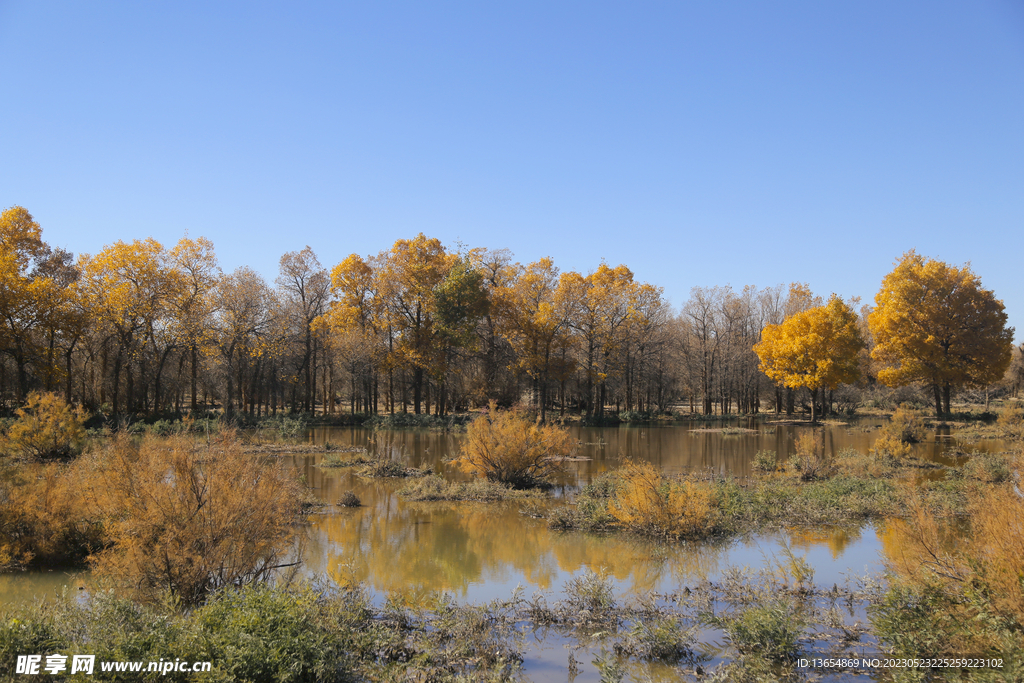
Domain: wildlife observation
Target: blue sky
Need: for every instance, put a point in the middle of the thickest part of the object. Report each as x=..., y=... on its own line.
x=699, y=143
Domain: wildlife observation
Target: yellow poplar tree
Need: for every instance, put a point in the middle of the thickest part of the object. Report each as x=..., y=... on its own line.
x=127, y=286
x=533, y=324
x=28, y=300
x=933, y=323
x=817, y=348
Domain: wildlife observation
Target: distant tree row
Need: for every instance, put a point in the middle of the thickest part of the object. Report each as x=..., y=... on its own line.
x=139, y=328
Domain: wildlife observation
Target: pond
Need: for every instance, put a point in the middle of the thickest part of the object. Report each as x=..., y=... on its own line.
x=479, y=551
x=482, y=551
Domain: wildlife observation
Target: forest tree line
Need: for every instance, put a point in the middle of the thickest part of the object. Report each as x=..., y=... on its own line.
x=144, y=329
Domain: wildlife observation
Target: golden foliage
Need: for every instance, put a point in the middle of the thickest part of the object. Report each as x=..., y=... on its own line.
x=507, y=446
x=41, y=516
x=816, y=348
x=47, y=427
x=20, y=235
x=189, y=517
x=646, y=502
x=934, y=323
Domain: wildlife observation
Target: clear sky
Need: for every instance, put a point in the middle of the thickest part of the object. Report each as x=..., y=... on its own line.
x=699, y=143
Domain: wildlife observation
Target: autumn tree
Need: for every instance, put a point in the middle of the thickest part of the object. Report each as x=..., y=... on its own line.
x=1015, y=373
x=352, y=327
x=306, y=285
x=460, y=301
x=599, y=306
x=28, y=297
x=497, y=359
x=934, y=323
x=246, y=329
x=65, y=318
x=818, y=348
x=127, y=287
x=534, y=324
x=195, y=270
x=702, y=341
x=408, y=274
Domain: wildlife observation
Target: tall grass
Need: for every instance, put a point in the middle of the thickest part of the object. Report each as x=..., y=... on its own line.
x=958, y=590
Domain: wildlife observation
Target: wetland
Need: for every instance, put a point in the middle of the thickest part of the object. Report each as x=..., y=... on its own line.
x=597, y=603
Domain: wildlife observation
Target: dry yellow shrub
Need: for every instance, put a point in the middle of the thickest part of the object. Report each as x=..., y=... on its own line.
x=926, y=550
x=904, y=428
x=508, y=447
x=1011, y=420
x=998, y=545
x=891, y=446
x=189, y=517
x=648, y=503
x=47, y=427
x=41, y=517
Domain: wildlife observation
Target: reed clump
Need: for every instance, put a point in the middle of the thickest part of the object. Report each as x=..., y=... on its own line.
x=811, y=460
x=434, y=487
x=1010, y=422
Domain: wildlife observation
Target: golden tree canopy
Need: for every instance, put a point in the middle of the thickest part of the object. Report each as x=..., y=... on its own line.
x=817, y=348
x=934, y=323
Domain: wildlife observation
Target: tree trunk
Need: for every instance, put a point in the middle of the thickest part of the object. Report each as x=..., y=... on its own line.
x=195, y=362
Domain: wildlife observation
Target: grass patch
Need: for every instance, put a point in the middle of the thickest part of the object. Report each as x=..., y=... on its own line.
x=435, y=487
x=338, y=460
x=765, y=461
x=723, y=507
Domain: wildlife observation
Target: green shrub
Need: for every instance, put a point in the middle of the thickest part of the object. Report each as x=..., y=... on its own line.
x=765, y=461
x=770, y=631
x=268, y=634
x=661, y=637
x=987, y=467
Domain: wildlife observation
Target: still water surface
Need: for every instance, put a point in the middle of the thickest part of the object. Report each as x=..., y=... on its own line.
x=480, y=551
